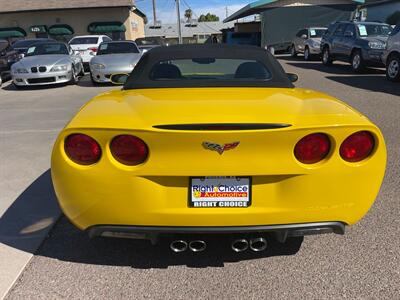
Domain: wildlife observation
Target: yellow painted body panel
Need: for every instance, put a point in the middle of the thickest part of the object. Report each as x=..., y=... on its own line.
x=155, y=193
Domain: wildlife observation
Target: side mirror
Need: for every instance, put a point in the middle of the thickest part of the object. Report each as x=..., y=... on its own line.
x=292, y=77
x=304, y=36
x=119, y=79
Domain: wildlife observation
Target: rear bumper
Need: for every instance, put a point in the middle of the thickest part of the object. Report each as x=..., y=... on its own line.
x=280, y=232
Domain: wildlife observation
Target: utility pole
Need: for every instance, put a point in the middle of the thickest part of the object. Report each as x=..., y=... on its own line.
x=178, y=12
x=154, y=14
x=226, y=12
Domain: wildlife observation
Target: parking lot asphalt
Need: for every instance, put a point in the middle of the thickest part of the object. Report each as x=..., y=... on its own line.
x=363, y=264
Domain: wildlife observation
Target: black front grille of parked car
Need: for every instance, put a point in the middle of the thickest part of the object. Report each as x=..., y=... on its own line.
x=42, y=69
x=34, y=69
x=42, y=80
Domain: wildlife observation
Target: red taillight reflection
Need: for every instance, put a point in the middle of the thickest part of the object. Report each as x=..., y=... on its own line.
x=129, y=150
x=82, y=149
x=357, y=146
x=312, y=148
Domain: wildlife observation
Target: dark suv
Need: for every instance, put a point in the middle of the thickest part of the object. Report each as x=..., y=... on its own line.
x=360, y=43
x=8, y=56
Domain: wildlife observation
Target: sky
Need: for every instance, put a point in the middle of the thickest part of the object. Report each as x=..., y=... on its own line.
x=166, y=11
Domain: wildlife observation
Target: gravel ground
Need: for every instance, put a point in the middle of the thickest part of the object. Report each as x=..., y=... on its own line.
x=363, y=264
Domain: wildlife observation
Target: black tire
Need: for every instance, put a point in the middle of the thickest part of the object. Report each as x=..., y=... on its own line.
x=357, y=61
x=94, y=83
x=82, y=73
x=307, y=54
x=74, y=78
x=293, y=52
x=393, y=68
x=326, y=57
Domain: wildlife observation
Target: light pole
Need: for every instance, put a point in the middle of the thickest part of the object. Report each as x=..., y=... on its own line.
x=154, y=14
x=178, y=12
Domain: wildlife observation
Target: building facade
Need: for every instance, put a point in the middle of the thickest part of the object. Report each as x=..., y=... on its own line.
x=61, y=20
x=192, y=33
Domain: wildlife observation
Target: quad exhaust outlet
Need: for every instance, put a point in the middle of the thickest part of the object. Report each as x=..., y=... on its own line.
x=255, y=244
x=179, y=246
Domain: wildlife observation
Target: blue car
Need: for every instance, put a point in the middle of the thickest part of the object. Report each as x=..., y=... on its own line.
x=362, y=44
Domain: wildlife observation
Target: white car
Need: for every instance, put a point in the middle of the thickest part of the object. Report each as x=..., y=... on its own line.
x=391, y=56
x=87, y=46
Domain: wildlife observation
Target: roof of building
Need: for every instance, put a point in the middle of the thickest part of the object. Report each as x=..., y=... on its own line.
x=188, y=29
x=262, y=5
x=33, y=5
x=377, y=2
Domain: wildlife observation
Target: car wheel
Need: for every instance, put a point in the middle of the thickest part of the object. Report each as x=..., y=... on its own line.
x=393, y=68
x=94, y=83
x=326, y=57
x=293, y=52
x=357, y=62
x=74, y=78
x=307, y=55
x=82, y=73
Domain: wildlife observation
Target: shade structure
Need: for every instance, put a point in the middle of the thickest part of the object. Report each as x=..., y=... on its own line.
x=61, y=29
x=263, y=5
x=12, y=32
x=104, y=27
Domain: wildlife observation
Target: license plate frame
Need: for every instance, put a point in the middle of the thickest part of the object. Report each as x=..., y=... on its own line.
x=220, y=203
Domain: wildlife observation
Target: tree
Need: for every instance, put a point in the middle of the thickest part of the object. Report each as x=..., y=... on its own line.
x=208, y=18
x=394, y=18
x=188, y=15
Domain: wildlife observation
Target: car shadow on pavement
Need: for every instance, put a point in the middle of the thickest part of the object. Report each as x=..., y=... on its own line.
x=11, y=87
x=29, y=219
x=86, y=82
x=67, y=243
x=339, y=69
x=370, y=83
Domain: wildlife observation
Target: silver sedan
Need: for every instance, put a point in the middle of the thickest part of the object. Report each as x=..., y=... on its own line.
x=112, y=58
x=47, y=63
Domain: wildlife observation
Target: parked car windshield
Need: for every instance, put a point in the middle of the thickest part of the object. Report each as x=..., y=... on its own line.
x=84, y=41
x=149, y=41
x=47, y=49
x=117, y=48
x=316, y=33
x=26, y=43
x=210, y=69
x=366, y=30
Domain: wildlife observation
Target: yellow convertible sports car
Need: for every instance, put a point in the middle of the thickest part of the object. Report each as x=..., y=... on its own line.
x=208, y=140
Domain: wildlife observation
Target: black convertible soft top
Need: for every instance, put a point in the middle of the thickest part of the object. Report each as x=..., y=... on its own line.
x=141, y=75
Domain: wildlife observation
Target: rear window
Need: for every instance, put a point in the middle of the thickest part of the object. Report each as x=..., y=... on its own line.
x=84, y=41
x=210, y=69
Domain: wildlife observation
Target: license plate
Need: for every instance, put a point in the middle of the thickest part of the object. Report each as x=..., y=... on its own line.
x=231, y=192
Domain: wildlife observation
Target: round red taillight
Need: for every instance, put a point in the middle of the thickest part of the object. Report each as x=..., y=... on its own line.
x=357, y=146
x=82, y=149
x=312, y=148
x=129, y=150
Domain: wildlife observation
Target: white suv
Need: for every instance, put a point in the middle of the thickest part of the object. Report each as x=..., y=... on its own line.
x=87, y=46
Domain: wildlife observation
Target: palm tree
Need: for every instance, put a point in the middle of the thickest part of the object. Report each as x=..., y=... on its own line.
x=188, y=15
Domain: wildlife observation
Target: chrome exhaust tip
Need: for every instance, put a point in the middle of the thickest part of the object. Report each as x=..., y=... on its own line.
x=178, y=246
x=240, y=245
x=258, y=244
x=197, y=246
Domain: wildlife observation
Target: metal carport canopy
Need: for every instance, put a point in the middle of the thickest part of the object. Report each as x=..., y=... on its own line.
x=262, y=5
